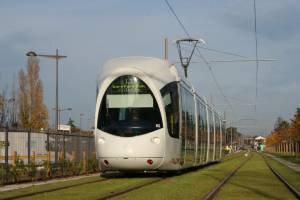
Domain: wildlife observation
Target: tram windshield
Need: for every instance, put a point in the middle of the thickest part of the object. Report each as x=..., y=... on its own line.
x=128, y=108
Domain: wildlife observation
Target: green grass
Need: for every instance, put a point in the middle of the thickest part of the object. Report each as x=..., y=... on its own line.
x=44, y=187
x=94, y=190
x=290, y=175
x=186, y=186
x=254, y=181
x=194, y=185
x=293, y=159
x=235, y=155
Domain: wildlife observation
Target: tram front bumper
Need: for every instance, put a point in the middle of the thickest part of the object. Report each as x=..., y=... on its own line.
x=130, y=163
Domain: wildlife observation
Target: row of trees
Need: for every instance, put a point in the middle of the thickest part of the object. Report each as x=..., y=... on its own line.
x=285, y=138
x=24, y=107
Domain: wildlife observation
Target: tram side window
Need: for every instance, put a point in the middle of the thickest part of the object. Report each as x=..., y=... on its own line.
x=171, y=101
x=218, y=136
x=224, y=133
x=190, y=115
x=204, y=130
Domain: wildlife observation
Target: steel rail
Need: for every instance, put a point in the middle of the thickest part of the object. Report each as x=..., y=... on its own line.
x=121, y=192
x=51, y=190
x=216, y=189
x=291, y=188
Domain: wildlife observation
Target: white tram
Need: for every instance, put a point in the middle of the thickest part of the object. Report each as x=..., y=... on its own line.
x=149, y=118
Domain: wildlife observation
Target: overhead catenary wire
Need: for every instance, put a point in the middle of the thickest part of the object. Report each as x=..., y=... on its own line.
x=201, y=56
x=223, y=52
x=239, y=60
x=187, y=33
x=177, y=18
x=215, y=79
x=235, y=60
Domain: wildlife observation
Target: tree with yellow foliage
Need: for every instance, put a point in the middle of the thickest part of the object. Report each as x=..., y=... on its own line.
x=286, y=137
x=32, y=111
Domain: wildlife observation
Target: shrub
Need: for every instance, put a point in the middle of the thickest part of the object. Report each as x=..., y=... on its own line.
x=32, y=171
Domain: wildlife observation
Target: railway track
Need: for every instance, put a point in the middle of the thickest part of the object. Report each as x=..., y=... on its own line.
x=52, y=190
x=291, y=188
x=211, y=195
x=215, y=190
x=108, y=196
x=121, y=192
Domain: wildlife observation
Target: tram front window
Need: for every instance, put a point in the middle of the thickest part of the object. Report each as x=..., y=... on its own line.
x=128, y=108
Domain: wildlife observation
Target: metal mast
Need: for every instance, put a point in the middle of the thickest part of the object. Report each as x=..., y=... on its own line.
x=185, y=60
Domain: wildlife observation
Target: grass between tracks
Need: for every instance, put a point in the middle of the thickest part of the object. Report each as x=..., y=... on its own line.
x=193, y=185
x=254, y=181
x=94, y=190
x=290, y=175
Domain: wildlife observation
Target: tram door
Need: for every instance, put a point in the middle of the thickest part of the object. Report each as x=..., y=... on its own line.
x=187, y=127
x=183, y=125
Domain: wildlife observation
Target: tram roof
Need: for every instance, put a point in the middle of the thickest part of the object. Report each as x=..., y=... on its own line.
x=158, y=69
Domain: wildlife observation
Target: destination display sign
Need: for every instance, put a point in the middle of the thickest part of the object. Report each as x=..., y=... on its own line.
x=128, y=88
x=128, y=85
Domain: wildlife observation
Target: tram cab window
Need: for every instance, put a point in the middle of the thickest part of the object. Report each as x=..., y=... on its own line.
x=170, y=98
x=129, y=108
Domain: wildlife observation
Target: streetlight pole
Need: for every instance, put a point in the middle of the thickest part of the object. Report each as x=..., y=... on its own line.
x=56, y=57
x=59, y=112
x=230, y=134
x=81, y=114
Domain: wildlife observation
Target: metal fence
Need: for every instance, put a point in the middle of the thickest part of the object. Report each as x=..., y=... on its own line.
x=44, y=146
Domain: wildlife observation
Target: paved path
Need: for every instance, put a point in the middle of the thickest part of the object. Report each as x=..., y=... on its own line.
x=293, y=166
x=25, y=185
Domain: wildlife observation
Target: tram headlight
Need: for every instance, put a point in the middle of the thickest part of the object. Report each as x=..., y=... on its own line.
x=155, y=140
x=101, y=140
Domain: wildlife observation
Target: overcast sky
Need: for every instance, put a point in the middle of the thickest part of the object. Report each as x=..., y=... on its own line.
x=90, y=32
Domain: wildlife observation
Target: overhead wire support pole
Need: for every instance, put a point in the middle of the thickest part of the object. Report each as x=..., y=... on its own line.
x=166, y=48
x=256, y=54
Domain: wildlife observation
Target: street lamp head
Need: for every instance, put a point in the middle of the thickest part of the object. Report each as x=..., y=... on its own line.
x=11, y=100
x=31, y=53
x=69, y=108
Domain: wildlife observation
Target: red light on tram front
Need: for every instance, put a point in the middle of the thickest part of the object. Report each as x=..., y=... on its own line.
x=106, y=162
x=150, y=162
